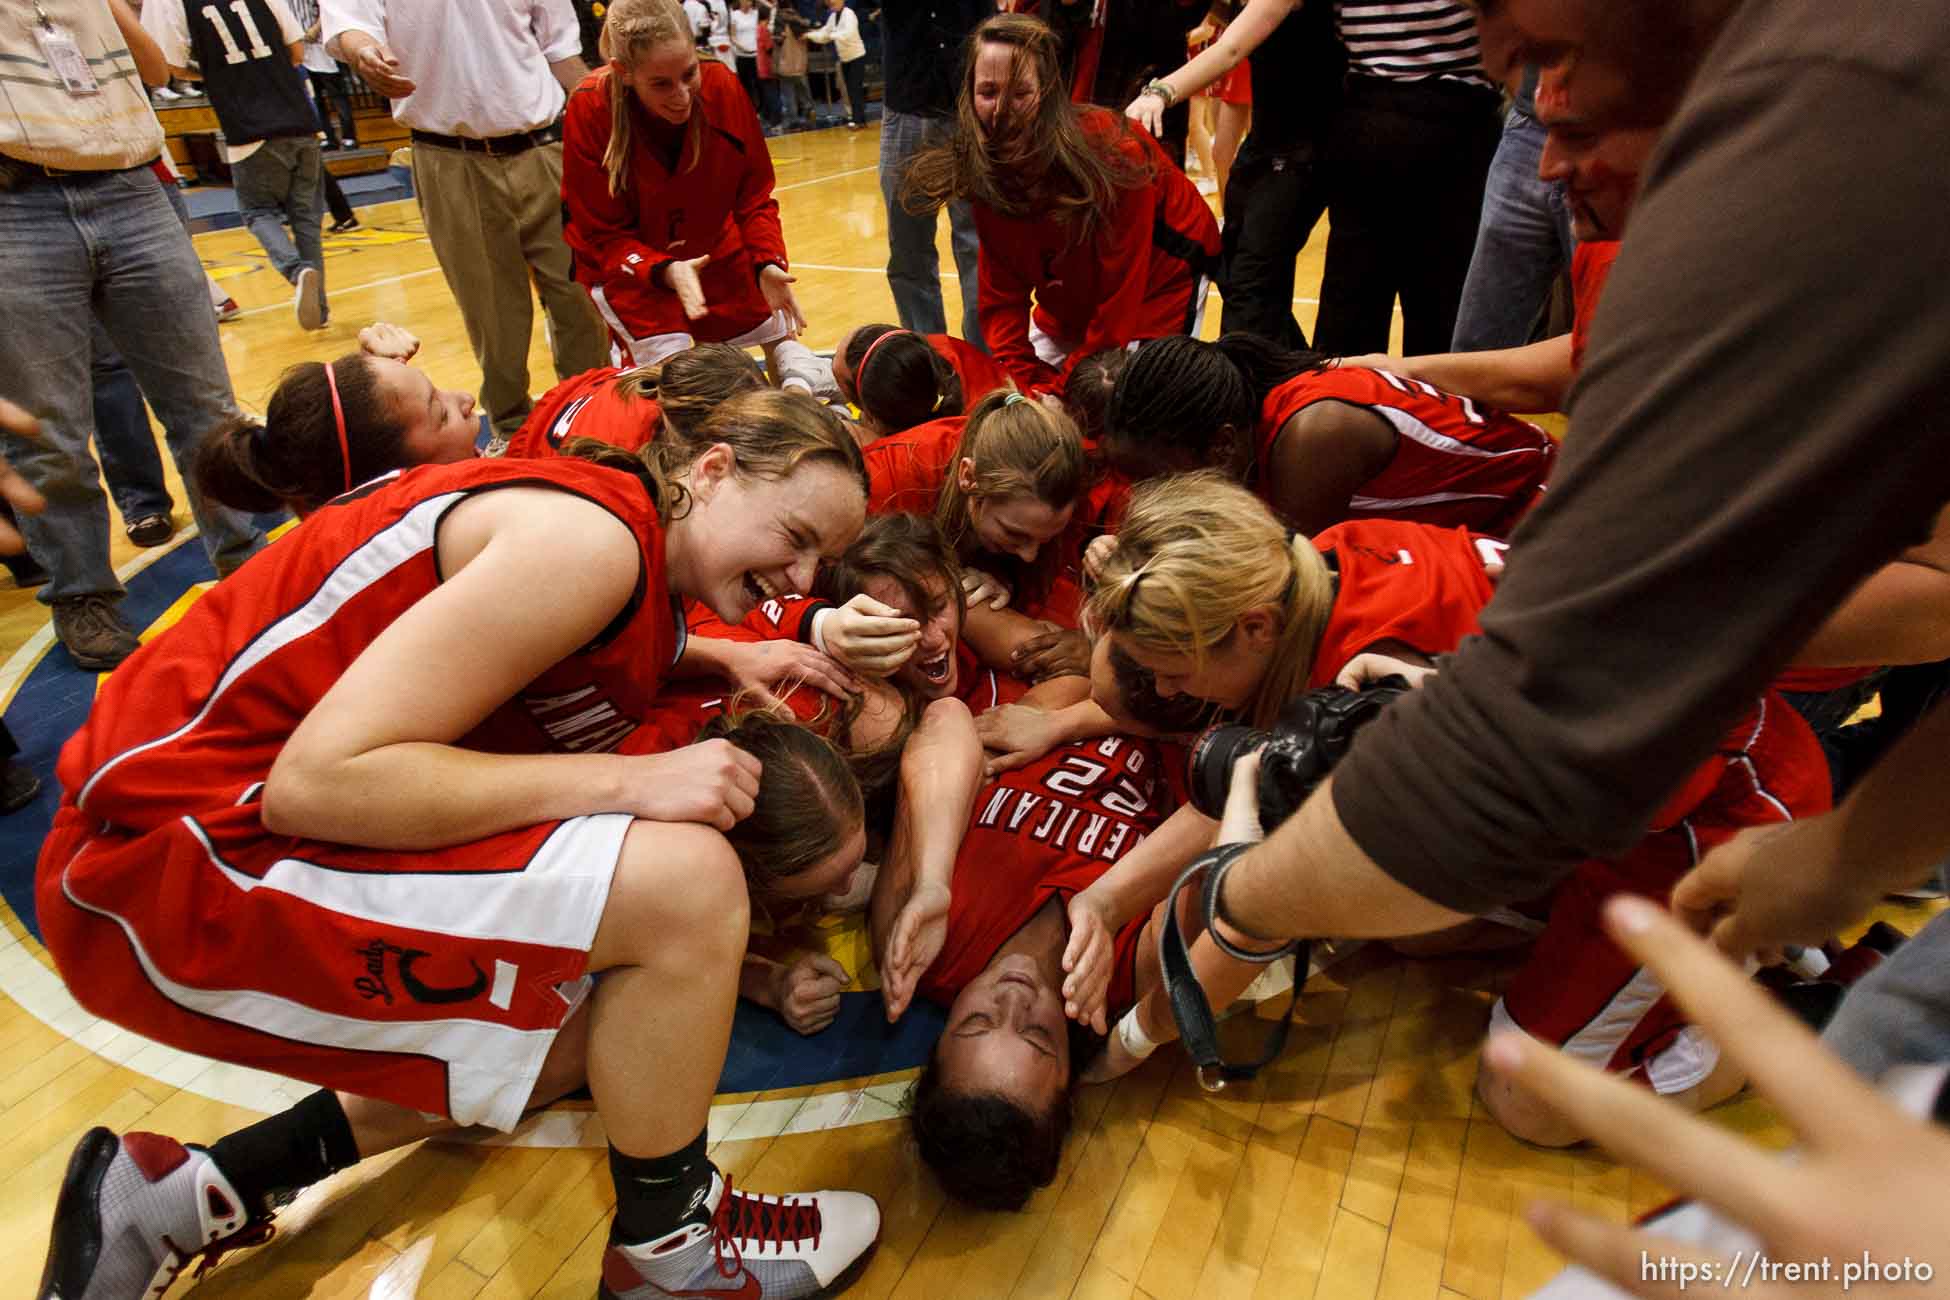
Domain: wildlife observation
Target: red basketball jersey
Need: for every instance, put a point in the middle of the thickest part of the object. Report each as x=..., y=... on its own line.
x=980, y=375
x=1456, y=463
x=587, y=406
x=1050, y=828
x=905, y=471
x=196, y=717
x=1412, y=583
x=1590, y=267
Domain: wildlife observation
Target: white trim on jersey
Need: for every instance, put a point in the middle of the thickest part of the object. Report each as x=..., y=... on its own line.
x=405, y=539
x=652, y=348
x=1413, y=429
x=491, y=1068
x=1385, y=504
x=552, y=901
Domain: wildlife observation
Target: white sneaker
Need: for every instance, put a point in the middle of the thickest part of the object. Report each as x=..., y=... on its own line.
x=797, y=1247
x=308, y=298
x=134, y=1212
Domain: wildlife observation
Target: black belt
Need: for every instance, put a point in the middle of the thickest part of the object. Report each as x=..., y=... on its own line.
x=16, y=173
x=500, y=146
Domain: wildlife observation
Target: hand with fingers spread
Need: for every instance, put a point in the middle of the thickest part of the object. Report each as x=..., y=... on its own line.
x=15, y=490
x=980, y=588
x=772, y=668
x=1364, y=670
x=918, y=933
x=776, y=285
x=807, y=992
x=1774, y=885
x=1015, y=734
x=1054, y=652
x=1087, y=960
x=1867, y=1177
x=683, y=281
x=713, y=782
x=384, y=339
x=1148, y=111
x=868, y=636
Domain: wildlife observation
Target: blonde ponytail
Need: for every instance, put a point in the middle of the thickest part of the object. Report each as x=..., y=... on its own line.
x=1195, y=553
x=630, y=29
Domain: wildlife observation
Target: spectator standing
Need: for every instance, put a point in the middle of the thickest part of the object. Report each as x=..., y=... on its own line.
x=796, y=103
x=842, y=31
x=327, y=79
x=744, y=47
x=485, y=115
x=248, y=54
x=1524, y=241
x=86, y=235
x=924, y=45
x=1407, y=154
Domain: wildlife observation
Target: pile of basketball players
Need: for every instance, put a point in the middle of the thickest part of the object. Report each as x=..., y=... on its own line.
x=460, y=797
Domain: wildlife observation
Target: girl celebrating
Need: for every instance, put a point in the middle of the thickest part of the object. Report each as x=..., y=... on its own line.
x=1091, y=237
x=398, y=859
x=628, y=408
x=1003, y=484
x=667, y=189
x=1321, y=443
x=1207, y=595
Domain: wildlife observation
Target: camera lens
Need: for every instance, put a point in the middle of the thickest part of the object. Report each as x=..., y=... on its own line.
x=1210, y=770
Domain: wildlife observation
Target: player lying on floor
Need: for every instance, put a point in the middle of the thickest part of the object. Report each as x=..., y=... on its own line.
x=395, y=417
x=1026, y=905
x=355, y=819
x=1206, y=596
x=1321, y=442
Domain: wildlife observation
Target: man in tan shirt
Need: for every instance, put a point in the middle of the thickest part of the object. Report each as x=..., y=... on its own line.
x=86, y=233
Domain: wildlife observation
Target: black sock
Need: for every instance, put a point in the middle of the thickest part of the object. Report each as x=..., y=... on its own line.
x=659, y=1194
x=287, y=1152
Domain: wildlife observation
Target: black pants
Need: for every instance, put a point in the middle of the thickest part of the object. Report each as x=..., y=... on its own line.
x=334, y=196
x=328, y=93
x=1406, y=163
x=855, y=73
x=1272, y=203
x=748, y=78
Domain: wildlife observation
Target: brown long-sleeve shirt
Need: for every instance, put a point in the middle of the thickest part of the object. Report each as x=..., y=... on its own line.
x=1764, y=417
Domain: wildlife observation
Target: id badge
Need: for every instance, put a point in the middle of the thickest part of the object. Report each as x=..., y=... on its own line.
x=66, y=60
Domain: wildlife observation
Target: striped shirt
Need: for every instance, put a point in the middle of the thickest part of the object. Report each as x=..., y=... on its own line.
x=1411, y=41
x=40, y=122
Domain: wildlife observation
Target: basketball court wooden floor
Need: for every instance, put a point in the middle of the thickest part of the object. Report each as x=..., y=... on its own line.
x=1358, y=1167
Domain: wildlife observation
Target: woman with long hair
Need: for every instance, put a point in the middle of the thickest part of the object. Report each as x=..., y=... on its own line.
x=317, y=830
x=667, y=195
x=1322, y=442
x=628, y=408
x=1091, y=237
x=1004, y=484
x=1207, y=595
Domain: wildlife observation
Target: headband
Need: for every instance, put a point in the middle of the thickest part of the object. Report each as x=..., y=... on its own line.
x=860, y=371
x=338, y=422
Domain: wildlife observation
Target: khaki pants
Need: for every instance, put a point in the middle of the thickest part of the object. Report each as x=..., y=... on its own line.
x=494, y=223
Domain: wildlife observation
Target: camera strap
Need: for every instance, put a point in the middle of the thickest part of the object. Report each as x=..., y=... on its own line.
x=1197, y=1027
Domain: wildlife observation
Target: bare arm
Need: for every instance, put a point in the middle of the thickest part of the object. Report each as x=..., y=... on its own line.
x=1255, y=24
x=569, y=72
x=941, y=770
x=1320, y=460
x=1899, y=615
x=1531, y=378
x=149, y=62
x=376, y=763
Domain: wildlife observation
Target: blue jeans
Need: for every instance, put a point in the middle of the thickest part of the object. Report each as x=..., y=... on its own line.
x=1522, y=245
x=796, y=101
x=913, y=265
x=280, y=183
x=106, y=247
x=124, y=438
